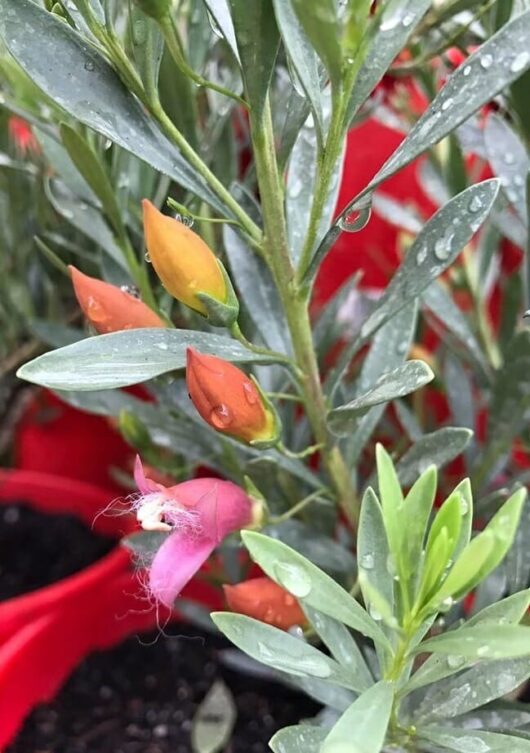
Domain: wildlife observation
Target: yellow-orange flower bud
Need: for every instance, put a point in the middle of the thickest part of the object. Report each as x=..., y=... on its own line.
x=265, y=600
x=229, y=400
x=182, y=260
x=108, y=308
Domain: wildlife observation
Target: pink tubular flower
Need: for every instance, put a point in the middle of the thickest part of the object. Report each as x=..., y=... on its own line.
x=197, y=514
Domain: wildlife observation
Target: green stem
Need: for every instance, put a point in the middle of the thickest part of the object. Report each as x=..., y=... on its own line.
x=302, y=454
x=235, y=331
x=295, y=509
x=295, y=303
x=174, y=45
x=215, y=184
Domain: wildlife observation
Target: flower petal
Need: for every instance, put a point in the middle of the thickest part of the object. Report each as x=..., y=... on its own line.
x=144, y=484
x=175, y=564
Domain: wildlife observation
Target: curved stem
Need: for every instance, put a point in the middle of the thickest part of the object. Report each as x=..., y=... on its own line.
x=171, y=37
x=295, y=509
x=235, y=331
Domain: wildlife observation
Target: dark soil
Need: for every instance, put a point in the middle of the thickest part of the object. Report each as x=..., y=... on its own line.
x=37, y=549
x=141, y=698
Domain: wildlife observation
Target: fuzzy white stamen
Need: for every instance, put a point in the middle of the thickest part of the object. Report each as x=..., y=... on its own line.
x=157, y=512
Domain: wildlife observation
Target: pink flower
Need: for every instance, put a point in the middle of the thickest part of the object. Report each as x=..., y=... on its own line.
x=197, y=515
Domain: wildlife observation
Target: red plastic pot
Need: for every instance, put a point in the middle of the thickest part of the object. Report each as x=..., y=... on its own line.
x=44, y=634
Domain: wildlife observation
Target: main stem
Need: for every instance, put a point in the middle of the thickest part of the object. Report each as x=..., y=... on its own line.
x=295, y=303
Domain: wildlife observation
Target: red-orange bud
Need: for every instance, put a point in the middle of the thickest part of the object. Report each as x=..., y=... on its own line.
x=228, y=399
x=108, y=308
x=265, y=600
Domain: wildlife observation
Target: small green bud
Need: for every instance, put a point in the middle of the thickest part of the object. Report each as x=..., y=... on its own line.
x=156, y=9
x=133, y=430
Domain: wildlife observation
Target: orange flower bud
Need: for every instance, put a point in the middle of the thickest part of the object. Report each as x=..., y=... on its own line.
x=108, y=308
x=184, y=263
x=229, y=400
x=265, y=600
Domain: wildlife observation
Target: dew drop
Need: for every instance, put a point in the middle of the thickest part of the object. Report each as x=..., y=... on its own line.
x=95, y=311
x=221, y=416
x=293, y=578
x=475, y=205
x=367, y=561
x=355, y=220
x=162, y=346
x=509, y=158
x=486, y=61
x=374, y=614
x=407, y=20
x=442, y=247
x=421, y=256
x=147, y=257
x=251, y=393
x=467, y=70
x=447, y=104
x=89, y=65
x=520, y=61
x=455, y=661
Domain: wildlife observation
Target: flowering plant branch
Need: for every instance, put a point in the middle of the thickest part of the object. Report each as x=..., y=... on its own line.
x=242, y=123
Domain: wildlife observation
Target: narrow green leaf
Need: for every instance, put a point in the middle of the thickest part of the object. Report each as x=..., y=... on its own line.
x=373, y=554
x=309, y=584
x=471, y=741
x=472, y=689
x=399, y=382
x=300, y=738
x=302, y=55
x=485, y=552
x=91, y=168
x=395, y=24
x=257, y=41
x=342, y=647
x=416, y=510
x=481, y=642
x=434, y=250
x=509, y=160
x=254, y=284
x=389, y=348
x=321, y=24
x=127, y=357
x=438, y=449
x=324, y=551
x=81, y=82
x=491, y=68
x=391, y=498
x=509, y=611
x=278, y=649
x=363, y=726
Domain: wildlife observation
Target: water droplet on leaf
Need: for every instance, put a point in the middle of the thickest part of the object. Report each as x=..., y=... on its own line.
x=293, y=578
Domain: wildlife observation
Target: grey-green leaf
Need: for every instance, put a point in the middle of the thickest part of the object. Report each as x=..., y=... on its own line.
x=434, y=250
x=310, y=584
x=373, y=552
x=399, y=382
x=320, y=21
x=70, y=71
x=300, y=738
x=302, y=55
x=342, y=646
x=437, y=448
x=127, y=357
x=482, y=642
x=257, y=41
x=473, y=688
x=363, y=726
x=473, y=741
x=394, y=26
x=508, y=157
x=254, y=283
x=278, y=649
